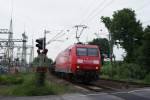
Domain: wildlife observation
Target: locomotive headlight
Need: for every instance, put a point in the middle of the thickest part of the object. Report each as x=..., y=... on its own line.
x=78, y=67
x=79, y=61
x=95, y=62
x=96, y=67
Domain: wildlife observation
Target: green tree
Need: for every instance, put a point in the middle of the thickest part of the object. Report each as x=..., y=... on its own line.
x=102, y=43
x=144, y=50
x=35, y=61
x=125, y=30
x=48, y=61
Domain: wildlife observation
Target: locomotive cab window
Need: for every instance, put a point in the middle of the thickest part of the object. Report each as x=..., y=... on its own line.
x=81, y=51
x=92, y=52
x=87, y=51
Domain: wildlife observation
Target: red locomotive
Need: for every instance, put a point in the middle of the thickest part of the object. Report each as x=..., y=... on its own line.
x=79, y=61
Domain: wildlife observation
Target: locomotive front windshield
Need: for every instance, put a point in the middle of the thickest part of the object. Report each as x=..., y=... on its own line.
x=87, y=51
x=82, y=51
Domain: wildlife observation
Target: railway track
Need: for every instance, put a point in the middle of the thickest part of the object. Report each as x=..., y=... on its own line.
x=89, y=88
x=109, y=86
x=92, y=87
x=103, y=85
x=120, y=85
x=129, y=82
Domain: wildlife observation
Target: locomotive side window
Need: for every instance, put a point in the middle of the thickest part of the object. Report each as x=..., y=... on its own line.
x=92, y=52
x=82, y=51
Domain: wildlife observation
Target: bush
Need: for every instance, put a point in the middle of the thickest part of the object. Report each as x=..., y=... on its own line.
x=10, y=79
x=26, y=85
x=132, y=71
x=106, y=69
x=31, y=88
x=147, y=78
x=124, y=71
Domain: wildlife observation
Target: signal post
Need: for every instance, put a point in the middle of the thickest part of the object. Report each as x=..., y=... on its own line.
x=41, y=69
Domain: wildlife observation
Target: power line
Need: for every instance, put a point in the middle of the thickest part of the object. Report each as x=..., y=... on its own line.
x=55, y=37
x=78, y=31
x=89, y=9
x=101, y=10
x=90, y=13
x=142, y=7
x=89, y=6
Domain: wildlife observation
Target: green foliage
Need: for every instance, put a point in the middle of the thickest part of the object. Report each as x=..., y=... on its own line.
x=106, y=69
x=29, y=87
x=35, y=61
x=147, y=78
x=128, y=32
x=10, y=79
x=144, y=50
x=107, y=21
x=132, y=71
x=102, y=43
x=40, y=79
x=125, y=28
x=47, y=63
x=124, y=71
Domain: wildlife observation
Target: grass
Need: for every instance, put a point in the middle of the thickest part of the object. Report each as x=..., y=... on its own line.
x=11, y=79
x=29, y=88
x=125, y=72
x=33, y=90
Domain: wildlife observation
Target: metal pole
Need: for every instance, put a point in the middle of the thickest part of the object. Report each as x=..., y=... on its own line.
x=44, y=39
x=110, y=54
x=44, y=45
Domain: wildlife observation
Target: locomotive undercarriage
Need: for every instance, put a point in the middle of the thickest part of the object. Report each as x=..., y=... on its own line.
x=80, y=76
x=86, y=76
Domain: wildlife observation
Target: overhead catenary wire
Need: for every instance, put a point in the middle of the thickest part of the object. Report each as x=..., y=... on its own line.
x=101, y=10
x=89, y=6
x=92, y=11
x=89, y=9
x=142, y=7
x=55, y=37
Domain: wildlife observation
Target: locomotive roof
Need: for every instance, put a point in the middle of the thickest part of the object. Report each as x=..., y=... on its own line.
x=85, y=45
x=79, y=45
x=82, y=45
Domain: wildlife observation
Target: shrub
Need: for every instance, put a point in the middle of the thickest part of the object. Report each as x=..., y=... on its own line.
x=124, y=71
x=31, y=88
x=132, y=71
x=10, y=79
x=147, y=78
x=106, y=69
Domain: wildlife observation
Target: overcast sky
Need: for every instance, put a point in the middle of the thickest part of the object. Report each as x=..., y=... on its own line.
x=34, y=16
